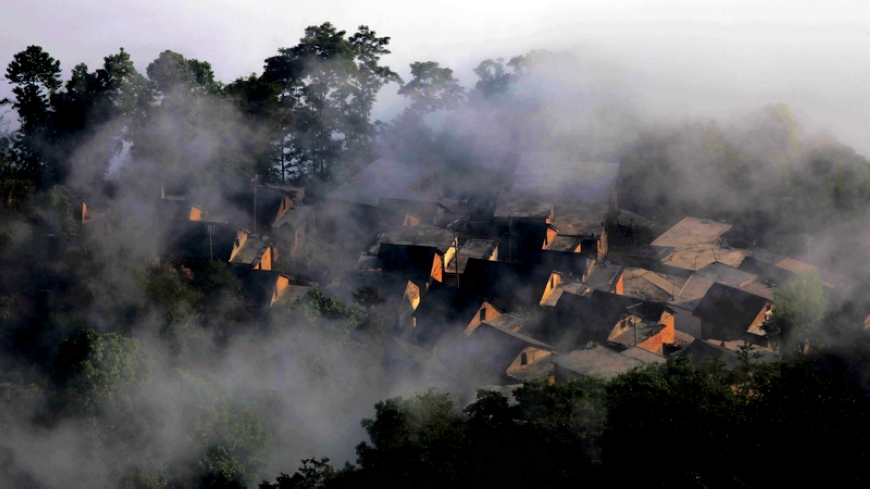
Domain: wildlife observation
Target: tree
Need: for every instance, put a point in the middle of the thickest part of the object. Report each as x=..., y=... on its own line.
x=35, y=76
x=93, y=368
x=798, y=308
x=432, y=88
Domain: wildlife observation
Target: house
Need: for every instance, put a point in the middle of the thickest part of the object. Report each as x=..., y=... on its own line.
x=445, y=311
x=632, y=229
x=701, y=351
x=193, y=241
x=260, y=206
x=357, y=200
x=652, y=286
x=415, y=251
x=415, y=262
x=730, y=314
x=292, y=227
x=608, y=319
x=696, y=243
x=491, y=355
x=596, y=362
x=478, y=248
x=508, y=284
x=605, y=276
x=263, y=289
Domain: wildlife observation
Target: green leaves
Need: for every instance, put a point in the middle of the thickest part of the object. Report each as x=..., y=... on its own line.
x=432, y=88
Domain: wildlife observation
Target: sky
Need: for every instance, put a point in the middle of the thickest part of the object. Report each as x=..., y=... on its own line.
x=677, y=58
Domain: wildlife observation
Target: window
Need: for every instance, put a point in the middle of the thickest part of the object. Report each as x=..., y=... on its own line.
x=483, y=314
x=524, y=358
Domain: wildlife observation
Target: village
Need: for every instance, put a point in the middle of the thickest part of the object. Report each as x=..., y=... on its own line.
x=551, y=281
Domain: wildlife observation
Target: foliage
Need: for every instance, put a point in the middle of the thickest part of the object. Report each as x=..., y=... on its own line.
x=91, y=367
x=432, y=88
x=799, y=307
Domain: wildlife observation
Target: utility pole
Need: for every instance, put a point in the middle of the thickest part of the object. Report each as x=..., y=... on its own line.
x=456, y=253
x=510, y=241
x=210, y=249
x=256, y=182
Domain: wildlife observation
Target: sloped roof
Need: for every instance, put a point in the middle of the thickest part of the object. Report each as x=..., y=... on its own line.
x=472, y=248
x=729, y=311
x=410, y=261
x=438, y=238
x=384, y=178
x=715, y=273
x=597, y=362
x=577, y=319
x=506, y=284
x=258, y=286
x=190, y=240
x=691, y=231
x=295, y=216
x=251, y=250
x=444, y=310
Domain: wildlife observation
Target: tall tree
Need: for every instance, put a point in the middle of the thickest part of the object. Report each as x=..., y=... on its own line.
x=35, y=76
x=432, y=88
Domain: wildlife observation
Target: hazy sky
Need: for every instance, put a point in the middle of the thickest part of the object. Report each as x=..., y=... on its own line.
x=678, y=57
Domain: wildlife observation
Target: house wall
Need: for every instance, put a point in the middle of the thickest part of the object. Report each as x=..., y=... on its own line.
x=265, y=262
x=412, y=291
x=602, y=245
x=552, y=284
x=437, y=272
x=665, y=336
x=619, y=286
x=280, y=287
x=491, y=313
x=532, y=355
x=411, y=221
x=551, y=234
x=195, y=214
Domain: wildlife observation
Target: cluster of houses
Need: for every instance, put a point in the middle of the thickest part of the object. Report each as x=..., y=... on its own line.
x=552, y=280
x=245, y=228
x=548, y=279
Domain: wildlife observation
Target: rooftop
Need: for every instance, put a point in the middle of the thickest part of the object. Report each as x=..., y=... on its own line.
x=578, y=219
x=715, y=273
x=507, y=322
x=645, y=356
x=519, y=207
x=604, y=276
x=472, y=248
x=597, y=362
x=295, y=216
x=729, y=310
x=384, y=178
x=438, y=238
x=692, y=232
x=251, y=250
x=645, y=284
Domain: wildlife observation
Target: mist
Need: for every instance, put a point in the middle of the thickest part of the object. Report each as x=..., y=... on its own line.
x=637, y=84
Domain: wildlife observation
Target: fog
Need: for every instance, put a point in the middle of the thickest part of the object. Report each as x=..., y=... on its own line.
x=636, y=67
x=679, y=57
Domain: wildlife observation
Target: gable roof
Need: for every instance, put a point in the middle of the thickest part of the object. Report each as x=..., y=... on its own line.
x=438, y=238
x=729, y=311
x=191, y=240
x=484, y=356
x=696, y=287
x=444, y=310
x=258, y=286
x=578, y=319
x=384, y=178
x=410, y=261
x=597, y=362
x=250, y=252
x=767, y=271
x=505, y=283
